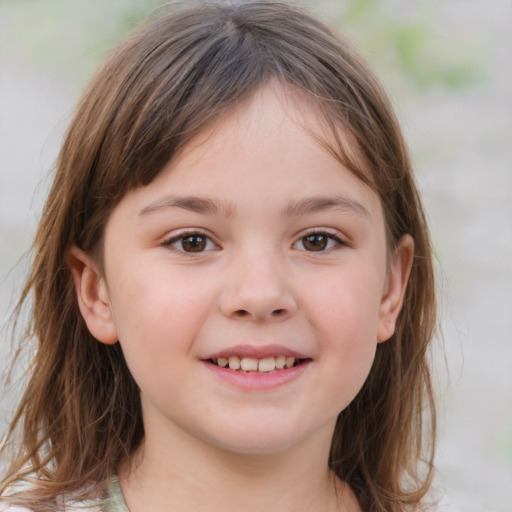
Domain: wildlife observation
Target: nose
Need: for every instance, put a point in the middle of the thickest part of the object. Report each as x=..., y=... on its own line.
x=258, y=290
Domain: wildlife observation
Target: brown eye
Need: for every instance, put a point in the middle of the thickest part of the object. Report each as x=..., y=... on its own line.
x=316, y=242
x=193, y=243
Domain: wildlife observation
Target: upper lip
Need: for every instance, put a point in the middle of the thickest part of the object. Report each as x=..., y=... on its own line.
x=257, y=352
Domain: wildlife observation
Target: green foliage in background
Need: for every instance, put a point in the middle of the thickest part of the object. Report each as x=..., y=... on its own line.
x=405, y=45
x=70, y=38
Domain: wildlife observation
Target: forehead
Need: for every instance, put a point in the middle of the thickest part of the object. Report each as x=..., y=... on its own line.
x=268, y=150
x=276, y=121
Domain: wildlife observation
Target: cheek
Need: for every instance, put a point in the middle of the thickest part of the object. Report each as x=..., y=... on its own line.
x=345, y=315
x=347, y=306
x=157, y=325
x=158, y=313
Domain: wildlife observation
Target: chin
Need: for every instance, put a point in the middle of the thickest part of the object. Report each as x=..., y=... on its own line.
x=257, y=447
x=259, y=439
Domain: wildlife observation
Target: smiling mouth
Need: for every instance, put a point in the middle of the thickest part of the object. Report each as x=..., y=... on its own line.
x=255, y=365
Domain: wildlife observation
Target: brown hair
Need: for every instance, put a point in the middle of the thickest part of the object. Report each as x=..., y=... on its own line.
x=80, y=415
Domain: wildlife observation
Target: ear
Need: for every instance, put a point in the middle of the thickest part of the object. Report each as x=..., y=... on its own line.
x=394, y=291
x=92, y=295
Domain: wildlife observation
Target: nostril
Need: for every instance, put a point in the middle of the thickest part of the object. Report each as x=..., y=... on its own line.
x=244, y=314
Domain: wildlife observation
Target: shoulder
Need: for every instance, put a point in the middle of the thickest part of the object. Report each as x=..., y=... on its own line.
x=71, y=507
x=65, y=504
x=83, y=506
x=5, y=507
x=94, y=497
x=11, y=508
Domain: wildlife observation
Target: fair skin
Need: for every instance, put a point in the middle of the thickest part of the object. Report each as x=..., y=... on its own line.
x=255, y=243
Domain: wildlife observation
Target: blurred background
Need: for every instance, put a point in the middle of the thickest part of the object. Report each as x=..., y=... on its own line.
x=447, y=65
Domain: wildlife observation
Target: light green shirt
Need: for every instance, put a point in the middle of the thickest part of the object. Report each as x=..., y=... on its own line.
x=115, y=501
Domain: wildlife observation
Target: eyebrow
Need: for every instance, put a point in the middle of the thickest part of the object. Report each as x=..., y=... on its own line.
x=294, y=208
x=191, y=203
x=317, y=204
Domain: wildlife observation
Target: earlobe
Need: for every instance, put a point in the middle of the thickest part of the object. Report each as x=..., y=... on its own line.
x=92, y=296
x=396, y=284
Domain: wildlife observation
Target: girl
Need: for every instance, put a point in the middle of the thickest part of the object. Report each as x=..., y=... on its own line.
x=232, y=283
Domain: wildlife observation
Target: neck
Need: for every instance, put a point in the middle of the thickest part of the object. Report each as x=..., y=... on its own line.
x=194, y=476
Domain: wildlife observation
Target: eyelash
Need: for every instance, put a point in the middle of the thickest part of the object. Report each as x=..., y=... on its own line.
x=206, y=240
x=182, y=236
x=322, y=232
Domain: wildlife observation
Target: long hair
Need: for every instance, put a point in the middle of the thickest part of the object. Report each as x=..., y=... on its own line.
x=80, y=415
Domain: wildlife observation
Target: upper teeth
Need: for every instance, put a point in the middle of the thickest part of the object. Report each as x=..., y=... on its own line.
x=266, y=364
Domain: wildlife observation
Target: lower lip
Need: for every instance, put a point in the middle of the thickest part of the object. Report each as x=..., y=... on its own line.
x=258, y=381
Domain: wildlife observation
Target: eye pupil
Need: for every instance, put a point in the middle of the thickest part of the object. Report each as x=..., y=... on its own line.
x=315, y=242
x=193, y=243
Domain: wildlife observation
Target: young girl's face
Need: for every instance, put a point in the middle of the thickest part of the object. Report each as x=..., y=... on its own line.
x=256, y=247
